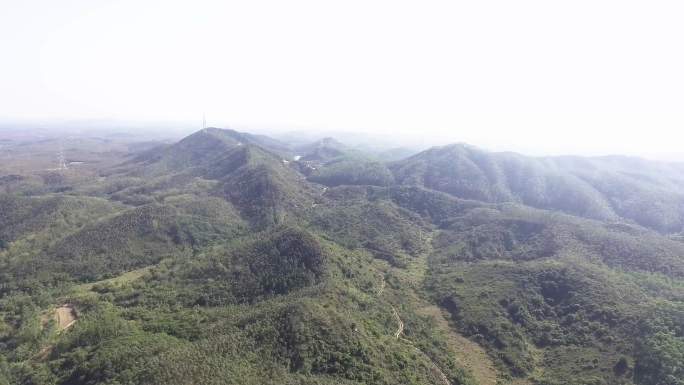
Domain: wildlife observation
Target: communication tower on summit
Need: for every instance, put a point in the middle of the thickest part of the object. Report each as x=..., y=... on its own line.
x=204, y=120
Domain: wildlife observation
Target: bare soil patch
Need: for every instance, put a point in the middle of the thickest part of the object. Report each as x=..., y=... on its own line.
x=65, y=316
x=469, y=354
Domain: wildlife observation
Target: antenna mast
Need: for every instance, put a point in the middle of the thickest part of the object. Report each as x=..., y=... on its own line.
x=204, y=120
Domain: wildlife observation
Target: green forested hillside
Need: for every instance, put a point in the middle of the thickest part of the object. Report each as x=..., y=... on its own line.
x=352, y=171
x=223, y=260
x=610, y=188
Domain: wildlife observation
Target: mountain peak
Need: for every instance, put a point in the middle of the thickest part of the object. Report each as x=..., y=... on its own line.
x=322, y=150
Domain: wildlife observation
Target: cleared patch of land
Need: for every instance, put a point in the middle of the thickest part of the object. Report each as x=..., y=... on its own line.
x=65, y=316
x=126, y=277
x=469, y=354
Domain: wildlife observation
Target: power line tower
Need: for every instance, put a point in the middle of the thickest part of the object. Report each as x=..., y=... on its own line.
x=61, y=158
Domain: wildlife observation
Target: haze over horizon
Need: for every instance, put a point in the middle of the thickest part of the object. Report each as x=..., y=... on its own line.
x=587, y=78
x=315, y=192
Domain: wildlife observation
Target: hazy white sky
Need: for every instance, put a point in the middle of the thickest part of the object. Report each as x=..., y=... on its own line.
x=579, y=76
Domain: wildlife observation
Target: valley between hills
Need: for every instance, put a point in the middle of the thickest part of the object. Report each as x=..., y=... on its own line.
x=233, y=258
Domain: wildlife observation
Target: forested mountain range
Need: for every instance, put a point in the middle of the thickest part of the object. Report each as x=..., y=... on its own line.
x=232, y=258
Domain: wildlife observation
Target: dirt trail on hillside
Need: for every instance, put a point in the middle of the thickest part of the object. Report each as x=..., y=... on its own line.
x=435, y=368
x=65, y=316
x=400, y=330
x=438, y=371
x=470, y=355
x=400, y=323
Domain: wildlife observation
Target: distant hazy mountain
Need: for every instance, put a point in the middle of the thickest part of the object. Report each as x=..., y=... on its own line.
x=322, y=150
x=610, y=188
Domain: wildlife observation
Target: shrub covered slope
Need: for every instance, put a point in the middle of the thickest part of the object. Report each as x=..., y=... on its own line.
x=230, y=258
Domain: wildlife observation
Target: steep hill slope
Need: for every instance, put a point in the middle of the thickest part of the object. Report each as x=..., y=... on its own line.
x=260, y=183
x=203, y=148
